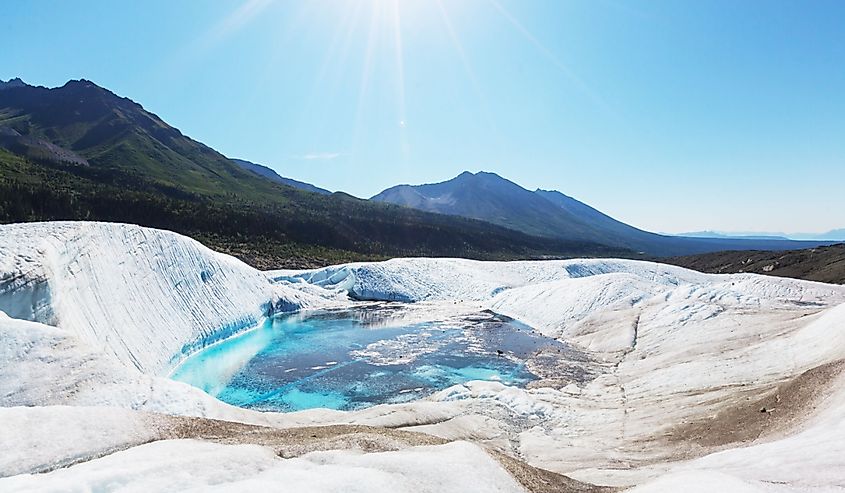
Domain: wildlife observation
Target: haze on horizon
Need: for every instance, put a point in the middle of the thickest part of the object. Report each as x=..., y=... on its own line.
x=670, y=116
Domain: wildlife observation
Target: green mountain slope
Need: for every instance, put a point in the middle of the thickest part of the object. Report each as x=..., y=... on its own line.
x=81, y=152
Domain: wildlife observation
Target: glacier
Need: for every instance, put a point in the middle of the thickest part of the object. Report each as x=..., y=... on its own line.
x=712, y=381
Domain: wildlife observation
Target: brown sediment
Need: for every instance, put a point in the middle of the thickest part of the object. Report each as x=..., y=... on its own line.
x=749, y=417
x=536, y=480
x=294, y=442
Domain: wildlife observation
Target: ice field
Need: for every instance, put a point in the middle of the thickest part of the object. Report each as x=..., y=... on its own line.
x=612, y=372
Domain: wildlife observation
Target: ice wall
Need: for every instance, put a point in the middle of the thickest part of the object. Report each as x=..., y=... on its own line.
x=142, y=296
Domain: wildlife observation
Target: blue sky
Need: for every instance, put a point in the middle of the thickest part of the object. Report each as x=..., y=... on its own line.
x=669, y=115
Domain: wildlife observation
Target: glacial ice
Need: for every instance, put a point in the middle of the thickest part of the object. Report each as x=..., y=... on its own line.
x=96, y=314
x=144, y=296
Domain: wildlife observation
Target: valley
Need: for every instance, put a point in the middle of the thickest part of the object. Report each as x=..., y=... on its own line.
x=416, y=246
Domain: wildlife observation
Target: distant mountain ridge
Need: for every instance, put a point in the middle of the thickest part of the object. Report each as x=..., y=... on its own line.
x=832, y=235
x=748, y=236
x=489, y=197
x=12, y=83
x=835, y=235
x=269, y=173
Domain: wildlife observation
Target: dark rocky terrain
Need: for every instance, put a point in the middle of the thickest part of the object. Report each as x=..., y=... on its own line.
x=825, y=264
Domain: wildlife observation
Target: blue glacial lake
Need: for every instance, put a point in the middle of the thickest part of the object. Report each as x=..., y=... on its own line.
x=355, y=358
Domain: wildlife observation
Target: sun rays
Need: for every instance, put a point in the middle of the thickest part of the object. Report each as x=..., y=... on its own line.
x=577, y=81
x=377, y=28
x=400, y=78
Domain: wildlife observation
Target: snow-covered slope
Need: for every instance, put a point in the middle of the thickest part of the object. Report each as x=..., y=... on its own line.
x=418, y=279
x=42, y=438
x=141, y=295
x=192, y=465
x=810, y=458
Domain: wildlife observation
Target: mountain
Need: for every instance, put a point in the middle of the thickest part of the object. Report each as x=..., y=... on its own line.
x=833, y=235
x=272, y=175
x=747, y=236
x=489, y=197
x=81, y=152
x=615, y=230
x=118, y=135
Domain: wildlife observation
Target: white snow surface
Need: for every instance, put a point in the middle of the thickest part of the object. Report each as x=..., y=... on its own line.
x=191, y=465
x=41, y=438
x=96, y=313
x=419, y=279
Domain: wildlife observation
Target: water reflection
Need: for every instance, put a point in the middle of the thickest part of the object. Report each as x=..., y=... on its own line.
x=213, y=368
x=354, y=358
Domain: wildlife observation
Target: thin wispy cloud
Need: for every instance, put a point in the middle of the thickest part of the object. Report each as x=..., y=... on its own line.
x=320, y=156
x=557, y=62
x=176, y=65
x=236, y=20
